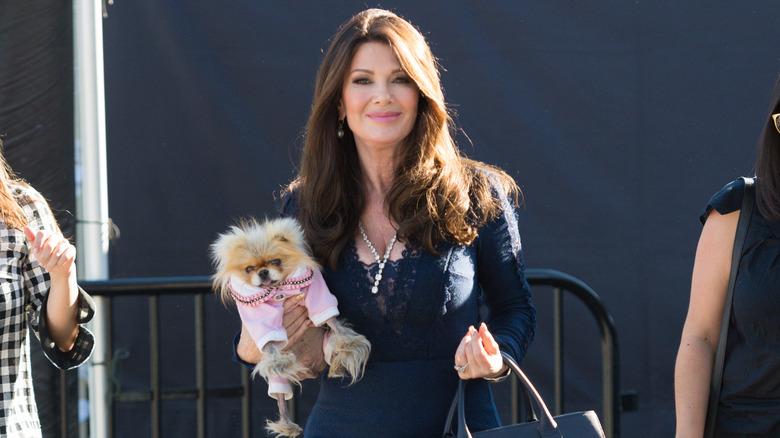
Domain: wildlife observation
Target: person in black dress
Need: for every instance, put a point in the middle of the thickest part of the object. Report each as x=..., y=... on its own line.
x=750, y=395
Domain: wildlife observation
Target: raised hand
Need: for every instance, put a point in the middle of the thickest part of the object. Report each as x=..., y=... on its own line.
x=52, y=251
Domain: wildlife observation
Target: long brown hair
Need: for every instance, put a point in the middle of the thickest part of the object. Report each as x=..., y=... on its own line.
x=768, y=163
x=10, y=208
x=437, y=193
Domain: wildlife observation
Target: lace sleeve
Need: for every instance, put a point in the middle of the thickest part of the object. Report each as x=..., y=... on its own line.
x=511, y=315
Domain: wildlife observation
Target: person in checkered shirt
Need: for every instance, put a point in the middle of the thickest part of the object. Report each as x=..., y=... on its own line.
x=38, y=281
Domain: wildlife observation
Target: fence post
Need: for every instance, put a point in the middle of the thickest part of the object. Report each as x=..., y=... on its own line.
x=607, y=332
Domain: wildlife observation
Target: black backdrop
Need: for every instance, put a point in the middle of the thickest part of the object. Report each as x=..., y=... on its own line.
x=36, y=128
x=618, y=119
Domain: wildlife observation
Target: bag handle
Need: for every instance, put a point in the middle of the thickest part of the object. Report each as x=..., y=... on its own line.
x=745, y=213
x=547, y=427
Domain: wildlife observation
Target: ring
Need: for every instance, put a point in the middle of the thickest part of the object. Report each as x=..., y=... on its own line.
x=461, y=368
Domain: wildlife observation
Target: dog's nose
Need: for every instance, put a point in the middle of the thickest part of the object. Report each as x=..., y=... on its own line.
x=263, y=274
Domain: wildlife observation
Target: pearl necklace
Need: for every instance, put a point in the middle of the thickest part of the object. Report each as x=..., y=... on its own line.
x=382, y=262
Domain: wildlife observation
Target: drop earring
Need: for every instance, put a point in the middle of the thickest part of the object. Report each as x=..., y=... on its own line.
x=340, y=131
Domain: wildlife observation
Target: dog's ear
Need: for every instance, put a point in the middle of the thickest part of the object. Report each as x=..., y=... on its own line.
x=226, y=244
x=221, y=251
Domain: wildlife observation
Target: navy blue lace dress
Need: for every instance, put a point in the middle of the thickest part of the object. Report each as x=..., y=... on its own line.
x=424, y=307
x=415, y=322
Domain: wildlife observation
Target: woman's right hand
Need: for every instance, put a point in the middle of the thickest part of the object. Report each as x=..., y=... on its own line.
x=304, y=340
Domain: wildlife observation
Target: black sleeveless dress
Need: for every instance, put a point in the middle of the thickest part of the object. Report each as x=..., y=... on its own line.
x=750, y=395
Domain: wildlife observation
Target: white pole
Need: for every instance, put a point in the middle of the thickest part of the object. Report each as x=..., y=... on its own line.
x=91, y=191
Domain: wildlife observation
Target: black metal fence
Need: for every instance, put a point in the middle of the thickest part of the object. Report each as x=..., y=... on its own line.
x=613, y=402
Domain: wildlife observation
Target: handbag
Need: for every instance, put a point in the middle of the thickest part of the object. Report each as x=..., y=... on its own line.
x=745, y=213
x=575, y=425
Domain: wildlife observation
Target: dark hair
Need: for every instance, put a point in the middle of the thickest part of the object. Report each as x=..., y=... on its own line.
x=437, y=193
x=768, y=163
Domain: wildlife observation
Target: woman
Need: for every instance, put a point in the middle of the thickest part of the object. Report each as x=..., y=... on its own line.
x=39, y=285
x=412, y=235
x=750, y=394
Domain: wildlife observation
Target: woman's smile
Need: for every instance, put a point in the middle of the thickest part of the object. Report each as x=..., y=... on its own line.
x=384, y=116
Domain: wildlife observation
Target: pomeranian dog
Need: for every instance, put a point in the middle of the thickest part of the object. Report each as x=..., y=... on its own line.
x=258, y=266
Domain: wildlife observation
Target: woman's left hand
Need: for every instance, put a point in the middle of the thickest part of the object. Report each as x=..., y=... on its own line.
x=52, y=251
x=479, y=353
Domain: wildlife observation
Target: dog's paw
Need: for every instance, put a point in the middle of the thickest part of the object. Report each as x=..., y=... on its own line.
x=279, y=364
x=350, y=354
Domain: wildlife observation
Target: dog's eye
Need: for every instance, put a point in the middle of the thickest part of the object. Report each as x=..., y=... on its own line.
x=275, y=262
x=249, y=269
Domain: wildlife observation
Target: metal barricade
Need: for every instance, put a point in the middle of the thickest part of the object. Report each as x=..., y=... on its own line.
x=154, y=288
x=610, y=359
x=199, y=287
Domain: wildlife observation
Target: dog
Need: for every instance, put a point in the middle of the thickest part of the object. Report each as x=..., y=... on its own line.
x=258, y=266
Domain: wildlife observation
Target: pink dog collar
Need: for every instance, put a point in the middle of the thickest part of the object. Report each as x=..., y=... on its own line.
x=251, y=296
x=298, y=282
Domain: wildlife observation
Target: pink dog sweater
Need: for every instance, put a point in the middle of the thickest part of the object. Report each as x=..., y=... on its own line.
x=261, y=311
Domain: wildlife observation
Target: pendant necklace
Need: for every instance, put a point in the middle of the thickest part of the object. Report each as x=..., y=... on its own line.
x=382, y=262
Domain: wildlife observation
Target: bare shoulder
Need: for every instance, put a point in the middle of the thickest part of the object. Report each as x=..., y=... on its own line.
x=717, y=236
x=711, y=271
x=713, y=255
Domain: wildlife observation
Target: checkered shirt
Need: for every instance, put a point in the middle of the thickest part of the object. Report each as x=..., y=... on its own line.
x=25, y=285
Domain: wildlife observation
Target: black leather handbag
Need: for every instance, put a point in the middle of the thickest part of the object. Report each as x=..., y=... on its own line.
x=575, y=425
